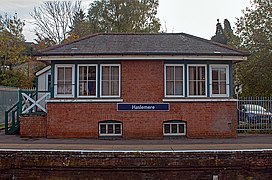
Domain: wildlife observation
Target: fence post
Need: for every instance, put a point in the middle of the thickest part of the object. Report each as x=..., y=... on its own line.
x=20, y=102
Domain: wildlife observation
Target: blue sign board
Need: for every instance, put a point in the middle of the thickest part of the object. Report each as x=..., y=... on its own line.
x=142, y=107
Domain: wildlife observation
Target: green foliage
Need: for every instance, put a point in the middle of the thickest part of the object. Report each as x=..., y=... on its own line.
x=80, y=26
x=11, y=41
x=219, y=36
x=12, y=52
x=117, y=16
x=255, y=32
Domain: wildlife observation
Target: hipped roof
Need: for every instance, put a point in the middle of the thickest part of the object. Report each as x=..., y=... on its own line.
x=141, y=44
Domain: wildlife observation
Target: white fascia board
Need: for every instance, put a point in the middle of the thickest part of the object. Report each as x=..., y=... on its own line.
x=45, y=69
x=142, y=57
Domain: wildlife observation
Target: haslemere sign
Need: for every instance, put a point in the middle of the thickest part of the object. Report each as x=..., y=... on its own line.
x=142, y=107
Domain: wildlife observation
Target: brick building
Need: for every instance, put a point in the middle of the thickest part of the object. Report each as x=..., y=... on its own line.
x=143, y=86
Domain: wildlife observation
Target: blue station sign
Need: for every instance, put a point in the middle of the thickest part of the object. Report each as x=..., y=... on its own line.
x=142, y=107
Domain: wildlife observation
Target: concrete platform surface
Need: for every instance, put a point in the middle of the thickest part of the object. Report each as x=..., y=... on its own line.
x=242, y=142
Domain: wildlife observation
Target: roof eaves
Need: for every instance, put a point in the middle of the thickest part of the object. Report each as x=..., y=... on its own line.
x=64, y=44
x=244, y=53
x=141, y=53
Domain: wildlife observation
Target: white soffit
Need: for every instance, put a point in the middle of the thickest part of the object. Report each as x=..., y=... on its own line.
x=142, y=57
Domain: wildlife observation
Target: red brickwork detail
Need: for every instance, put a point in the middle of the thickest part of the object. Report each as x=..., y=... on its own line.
x=202, y=119
x=33, y=126
x=142, y=82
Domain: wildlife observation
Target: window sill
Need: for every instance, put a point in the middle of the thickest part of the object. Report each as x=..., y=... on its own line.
x=200, y=100
x=83, y=100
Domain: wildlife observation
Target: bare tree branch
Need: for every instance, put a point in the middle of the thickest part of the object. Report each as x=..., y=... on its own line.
x=53, y=19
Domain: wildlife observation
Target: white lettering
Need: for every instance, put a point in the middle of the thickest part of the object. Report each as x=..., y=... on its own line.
x=140, y=107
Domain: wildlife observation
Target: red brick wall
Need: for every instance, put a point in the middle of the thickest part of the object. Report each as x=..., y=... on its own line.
x=33, y=126
x=142, y=82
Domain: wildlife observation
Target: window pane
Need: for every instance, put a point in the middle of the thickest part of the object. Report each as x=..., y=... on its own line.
x=170, y=88
x=166, y=128
x=215, y=88
x=201, y=73
x=81, y=88
x=92, y=73
x=223, y=89
x=115, y=73
x=178, y=73
x=68, y=74
x=223, y=74
x=178, y=88
x=192, y=88
x=174, y=128
x=181, y=128
x=214, y=74
x=91, y=88
x=115, y=88
x=60, y=88
x=117, y=128
x=105, y=72
x=110, y=128
x=103, y=129
x=201, y=88
x=169, y=72
x=60, y=74
x=82, y=73
x=192, y=73
x=105, y=88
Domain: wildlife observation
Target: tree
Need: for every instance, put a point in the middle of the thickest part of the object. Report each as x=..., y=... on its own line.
x=53, y=20
x=14, y=69
x=219, y=34
x=123, y=16
x=232, y=39
x=80, y=26
x=254, y=29
x=11, y=41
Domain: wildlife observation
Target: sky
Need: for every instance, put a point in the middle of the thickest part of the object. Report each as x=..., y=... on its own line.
x=195, y=17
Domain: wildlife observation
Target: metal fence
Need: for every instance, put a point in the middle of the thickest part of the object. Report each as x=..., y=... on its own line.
x=8, y=97
x=255, y=114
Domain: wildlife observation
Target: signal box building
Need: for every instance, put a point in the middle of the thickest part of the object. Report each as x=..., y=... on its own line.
x=139, y=86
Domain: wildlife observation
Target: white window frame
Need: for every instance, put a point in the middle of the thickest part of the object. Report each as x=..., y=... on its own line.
x=96, y=79
x=174, y=134
x=100, y=81
x=227, y=80
x=107, y=124
x=188, y=83
x=183, y=80
x=56, y=78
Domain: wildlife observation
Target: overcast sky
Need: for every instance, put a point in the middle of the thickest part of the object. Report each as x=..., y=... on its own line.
x=195, y=17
